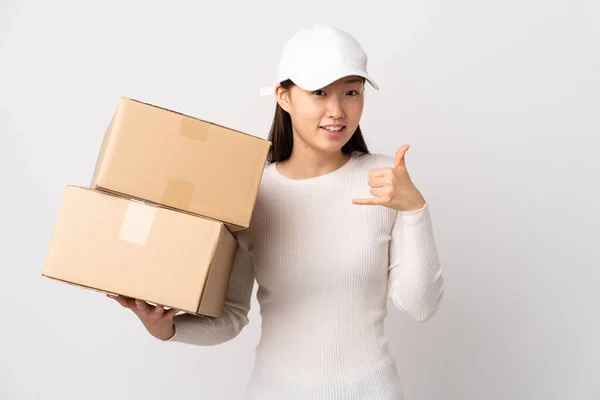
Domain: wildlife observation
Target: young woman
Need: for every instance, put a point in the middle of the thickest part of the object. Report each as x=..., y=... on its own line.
x=335, y=231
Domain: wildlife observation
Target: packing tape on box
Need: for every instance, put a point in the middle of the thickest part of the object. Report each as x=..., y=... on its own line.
x=178, y=193
x=137, y=223
x=194, y=129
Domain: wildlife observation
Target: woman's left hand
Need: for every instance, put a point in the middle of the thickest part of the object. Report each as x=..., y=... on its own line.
x=392, y=187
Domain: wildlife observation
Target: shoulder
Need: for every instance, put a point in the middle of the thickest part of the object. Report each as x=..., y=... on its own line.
x=268, y=174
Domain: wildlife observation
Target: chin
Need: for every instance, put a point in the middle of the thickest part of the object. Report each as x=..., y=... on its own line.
x=334, y=143
x=332, y=147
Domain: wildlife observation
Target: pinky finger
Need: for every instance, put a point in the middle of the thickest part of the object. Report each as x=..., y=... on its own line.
x=367, y=202
x=171, y=313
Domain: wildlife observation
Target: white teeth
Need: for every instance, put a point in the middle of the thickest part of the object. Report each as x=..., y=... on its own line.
x=333, y=129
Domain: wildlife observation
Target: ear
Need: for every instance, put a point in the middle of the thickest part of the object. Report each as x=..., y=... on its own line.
x=283, y=97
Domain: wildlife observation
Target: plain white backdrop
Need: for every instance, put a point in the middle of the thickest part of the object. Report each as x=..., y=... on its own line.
x=498, y=100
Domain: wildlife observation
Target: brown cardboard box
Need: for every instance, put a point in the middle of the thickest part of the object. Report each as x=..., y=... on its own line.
x=162, y=156
x=121, y=246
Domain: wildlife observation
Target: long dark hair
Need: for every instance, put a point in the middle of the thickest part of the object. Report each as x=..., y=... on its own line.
x=282, y=138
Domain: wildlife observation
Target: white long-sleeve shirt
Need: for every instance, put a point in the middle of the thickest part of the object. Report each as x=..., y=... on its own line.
x=324, y=268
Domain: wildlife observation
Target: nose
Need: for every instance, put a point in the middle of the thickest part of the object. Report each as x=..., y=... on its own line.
x=335, y=109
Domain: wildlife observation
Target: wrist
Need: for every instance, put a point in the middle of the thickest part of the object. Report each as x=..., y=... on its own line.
x=416, y=208
x=417, y=205
x=165, y=333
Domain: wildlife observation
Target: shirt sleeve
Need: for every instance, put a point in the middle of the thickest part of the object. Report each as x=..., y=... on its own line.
x=416, y=284
x=209, y=331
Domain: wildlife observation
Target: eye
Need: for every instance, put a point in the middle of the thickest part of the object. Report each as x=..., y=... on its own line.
x=352, y=93
x=319, y=93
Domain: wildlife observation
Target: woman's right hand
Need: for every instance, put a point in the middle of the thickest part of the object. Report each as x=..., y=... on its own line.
x=157, y=320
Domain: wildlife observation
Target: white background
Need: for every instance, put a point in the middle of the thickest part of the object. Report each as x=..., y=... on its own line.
x=499, y=101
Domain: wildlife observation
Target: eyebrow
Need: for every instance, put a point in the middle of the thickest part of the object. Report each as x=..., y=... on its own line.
x=354, y=80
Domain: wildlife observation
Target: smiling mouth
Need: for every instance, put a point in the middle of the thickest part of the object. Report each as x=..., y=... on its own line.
x=334, y=130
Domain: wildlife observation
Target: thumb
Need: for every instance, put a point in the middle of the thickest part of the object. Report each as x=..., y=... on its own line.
x=399, y=157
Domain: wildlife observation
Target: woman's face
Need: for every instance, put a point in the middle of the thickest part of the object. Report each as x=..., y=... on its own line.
x=325, y=119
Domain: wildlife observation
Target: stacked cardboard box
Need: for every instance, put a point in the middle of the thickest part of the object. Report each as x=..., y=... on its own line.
x=156, y=222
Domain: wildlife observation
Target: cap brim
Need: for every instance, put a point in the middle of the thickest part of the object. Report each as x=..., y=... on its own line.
x=319, y=79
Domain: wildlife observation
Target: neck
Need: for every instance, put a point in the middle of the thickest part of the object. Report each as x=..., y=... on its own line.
x=305, y=163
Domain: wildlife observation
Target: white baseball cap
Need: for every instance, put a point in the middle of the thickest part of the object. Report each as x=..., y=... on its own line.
x=316, y=57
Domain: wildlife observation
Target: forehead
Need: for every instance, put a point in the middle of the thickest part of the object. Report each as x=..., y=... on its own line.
x=348, y=80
